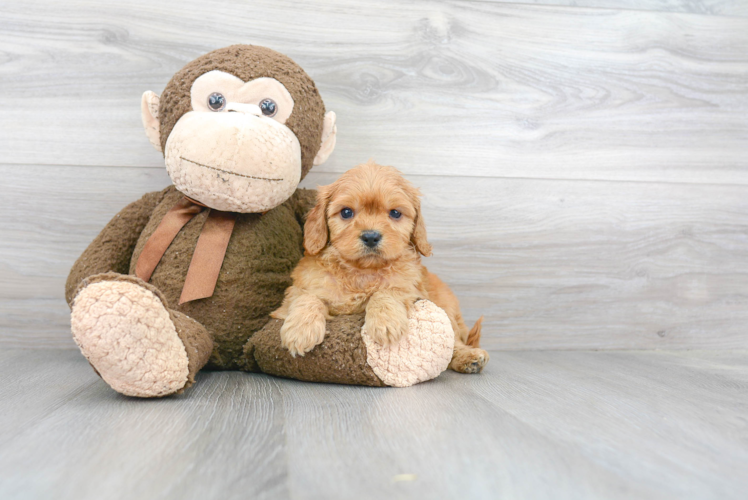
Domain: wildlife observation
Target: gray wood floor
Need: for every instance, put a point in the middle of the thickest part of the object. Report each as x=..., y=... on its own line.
x=556, y=425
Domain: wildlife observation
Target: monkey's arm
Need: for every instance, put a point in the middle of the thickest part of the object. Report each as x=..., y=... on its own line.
x=302, y=201
x=112, y=249
x=346, y=356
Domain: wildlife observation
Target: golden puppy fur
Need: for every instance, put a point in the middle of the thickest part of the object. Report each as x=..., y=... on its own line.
x=364, y=240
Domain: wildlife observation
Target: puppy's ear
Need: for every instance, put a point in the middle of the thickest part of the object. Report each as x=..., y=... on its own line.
x=315, y=229
x=418, y=238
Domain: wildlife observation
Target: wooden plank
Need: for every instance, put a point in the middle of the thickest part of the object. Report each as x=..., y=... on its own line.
x=551, y=264
x=227, y=435
x=521, y=431
x=452, y=442
x=701, y=7
x=659, y=403
x=593, y=265
x=36, y=383
x=562, y=425
x=458, y=88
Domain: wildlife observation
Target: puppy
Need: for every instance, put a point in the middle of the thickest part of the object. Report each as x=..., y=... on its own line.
x=364, y=240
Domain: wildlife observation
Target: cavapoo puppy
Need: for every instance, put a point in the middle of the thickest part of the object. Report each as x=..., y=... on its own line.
x=364, y=240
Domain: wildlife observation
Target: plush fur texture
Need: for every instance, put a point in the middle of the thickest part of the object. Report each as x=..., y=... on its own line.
x=124, y=330
x=341, y=358
x=261, y=254
x=249, y=172
x=116, y=298
x=343, y=274
x=249, y=62
x=422, y=354
x=348, y=355
x=235, y=158
x=111, y=250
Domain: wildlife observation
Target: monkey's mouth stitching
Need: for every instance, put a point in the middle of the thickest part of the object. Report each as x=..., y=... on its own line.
x=230, y=173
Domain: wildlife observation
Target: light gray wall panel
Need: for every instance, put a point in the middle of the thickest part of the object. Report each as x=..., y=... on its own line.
x=735, y=8
x=550, y=263
x=454, y=88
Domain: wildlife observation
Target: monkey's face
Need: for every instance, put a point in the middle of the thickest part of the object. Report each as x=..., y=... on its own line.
x=233, y=151
x=239, y=128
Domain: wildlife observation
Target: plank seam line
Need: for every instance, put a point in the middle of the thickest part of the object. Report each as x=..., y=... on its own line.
x=408, y=174
x=549, y=6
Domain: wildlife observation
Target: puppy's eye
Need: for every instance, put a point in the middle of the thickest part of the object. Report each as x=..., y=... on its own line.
x=395, y=214
x=346, y=213
x=216, y=101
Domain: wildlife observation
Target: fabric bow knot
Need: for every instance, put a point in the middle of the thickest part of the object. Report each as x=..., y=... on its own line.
x=206, y=262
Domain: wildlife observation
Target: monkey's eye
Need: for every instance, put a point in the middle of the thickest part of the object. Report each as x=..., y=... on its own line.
x=216, y=101
x=346, y=213
x=395, y=214
x=268, y=107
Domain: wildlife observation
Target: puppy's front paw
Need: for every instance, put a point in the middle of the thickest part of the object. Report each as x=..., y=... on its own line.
x=384, y=329
x=301, y=334
x=469, y=360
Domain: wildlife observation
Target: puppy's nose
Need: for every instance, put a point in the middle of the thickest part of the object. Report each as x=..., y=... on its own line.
x=371, y=238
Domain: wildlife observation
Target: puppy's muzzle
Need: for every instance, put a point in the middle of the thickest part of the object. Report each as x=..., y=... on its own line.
x=371, y=238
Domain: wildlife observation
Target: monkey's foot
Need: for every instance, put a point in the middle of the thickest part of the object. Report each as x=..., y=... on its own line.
x=125, y=332
x=420, y=355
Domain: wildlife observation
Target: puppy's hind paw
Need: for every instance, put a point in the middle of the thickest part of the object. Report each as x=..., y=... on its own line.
x=469, y=360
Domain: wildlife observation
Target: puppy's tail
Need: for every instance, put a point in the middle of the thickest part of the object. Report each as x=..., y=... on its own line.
x=473, y=339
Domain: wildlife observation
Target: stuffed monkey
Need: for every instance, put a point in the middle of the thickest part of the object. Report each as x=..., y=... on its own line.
x=185, y=278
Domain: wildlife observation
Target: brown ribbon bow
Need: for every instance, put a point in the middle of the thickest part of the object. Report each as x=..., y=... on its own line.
x=202, y=274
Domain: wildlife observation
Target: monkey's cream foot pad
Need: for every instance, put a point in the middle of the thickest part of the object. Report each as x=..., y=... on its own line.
x=125, y=332
x=421, y=355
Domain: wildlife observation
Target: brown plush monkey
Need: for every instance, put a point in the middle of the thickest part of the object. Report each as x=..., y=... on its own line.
x=186, y=277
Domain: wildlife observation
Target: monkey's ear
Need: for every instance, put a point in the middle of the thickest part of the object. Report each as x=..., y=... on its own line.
x=329, y=130
x=315, y=229
x=149, y=114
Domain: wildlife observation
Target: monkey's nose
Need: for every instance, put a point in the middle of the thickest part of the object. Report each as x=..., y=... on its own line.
x=371, y=238
x=240, y=107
